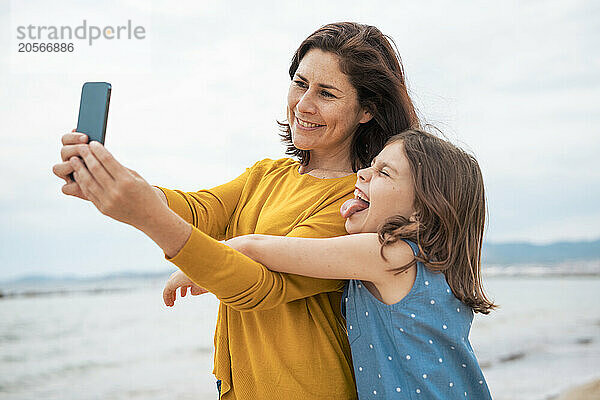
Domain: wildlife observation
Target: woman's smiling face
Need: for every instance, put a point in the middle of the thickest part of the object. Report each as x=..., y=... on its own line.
x=387, y=187
x=323, y=109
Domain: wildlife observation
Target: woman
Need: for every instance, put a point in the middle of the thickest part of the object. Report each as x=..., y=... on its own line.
x=277, y=335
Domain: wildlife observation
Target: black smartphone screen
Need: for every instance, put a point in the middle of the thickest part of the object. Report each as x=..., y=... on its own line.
x=93, y=110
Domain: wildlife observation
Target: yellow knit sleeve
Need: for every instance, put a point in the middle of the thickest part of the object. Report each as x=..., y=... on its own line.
x=239, y=281
x=208, y=210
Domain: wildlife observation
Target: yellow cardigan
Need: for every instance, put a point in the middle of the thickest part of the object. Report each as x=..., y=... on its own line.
x=278, y=336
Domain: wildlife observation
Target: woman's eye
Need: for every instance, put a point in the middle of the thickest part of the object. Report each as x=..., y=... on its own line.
x=300, y=84
x=383, y=172
x=327, y=94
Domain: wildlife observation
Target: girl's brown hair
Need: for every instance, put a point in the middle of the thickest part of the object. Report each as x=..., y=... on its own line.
x=450, y=215
x=369, y=59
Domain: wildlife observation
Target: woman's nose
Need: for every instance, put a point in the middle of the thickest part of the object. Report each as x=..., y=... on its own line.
x=305, y=104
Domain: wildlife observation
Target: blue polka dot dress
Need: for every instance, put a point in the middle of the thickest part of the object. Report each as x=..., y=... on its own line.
x=417, y=348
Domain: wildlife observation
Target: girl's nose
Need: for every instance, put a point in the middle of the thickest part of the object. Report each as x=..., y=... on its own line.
x=364, y=174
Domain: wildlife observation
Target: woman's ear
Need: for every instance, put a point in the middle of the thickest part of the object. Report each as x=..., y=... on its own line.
x=367, y=115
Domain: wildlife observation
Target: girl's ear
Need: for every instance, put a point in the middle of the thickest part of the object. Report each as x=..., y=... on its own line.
x=414, y=217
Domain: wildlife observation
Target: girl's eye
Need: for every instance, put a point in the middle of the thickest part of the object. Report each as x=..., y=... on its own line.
x=379, y=171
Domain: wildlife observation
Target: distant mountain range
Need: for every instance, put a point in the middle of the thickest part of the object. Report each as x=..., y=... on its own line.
x=108, y=277
x=527, y=253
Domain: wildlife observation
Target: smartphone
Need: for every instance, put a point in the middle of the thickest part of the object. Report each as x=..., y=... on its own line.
x=93, y=111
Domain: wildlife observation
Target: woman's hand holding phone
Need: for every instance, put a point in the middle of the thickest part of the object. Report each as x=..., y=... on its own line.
x=123, y=195
x=116, y=191
x=119, y=192
x=72, y=143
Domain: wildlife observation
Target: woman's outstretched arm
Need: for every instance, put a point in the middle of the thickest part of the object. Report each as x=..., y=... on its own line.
x=354, y=256
x=234, y=278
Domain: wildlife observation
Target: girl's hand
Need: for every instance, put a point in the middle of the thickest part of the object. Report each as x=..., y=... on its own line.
x=179, y=280
x=116, y=191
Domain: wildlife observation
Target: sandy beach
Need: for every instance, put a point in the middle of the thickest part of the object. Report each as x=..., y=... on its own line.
x=588, y=391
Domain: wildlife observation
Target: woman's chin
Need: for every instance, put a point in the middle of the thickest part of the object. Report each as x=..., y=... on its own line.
x=300, y=143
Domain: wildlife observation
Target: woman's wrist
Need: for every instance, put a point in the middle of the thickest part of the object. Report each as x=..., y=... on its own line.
x=168, y=230
x=160, y=194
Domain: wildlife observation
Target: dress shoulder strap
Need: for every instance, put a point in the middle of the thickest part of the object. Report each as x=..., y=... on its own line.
x=413, y=245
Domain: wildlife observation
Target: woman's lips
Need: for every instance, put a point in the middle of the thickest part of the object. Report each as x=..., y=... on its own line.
x=308, y=126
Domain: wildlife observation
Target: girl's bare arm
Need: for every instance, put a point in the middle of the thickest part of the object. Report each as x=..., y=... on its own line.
x=345, y=257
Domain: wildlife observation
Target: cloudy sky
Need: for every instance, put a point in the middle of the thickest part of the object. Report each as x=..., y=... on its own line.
x=195, y=102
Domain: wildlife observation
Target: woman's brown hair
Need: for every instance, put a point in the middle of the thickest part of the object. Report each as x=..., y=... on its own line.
x=450, y=215
x=375, y=70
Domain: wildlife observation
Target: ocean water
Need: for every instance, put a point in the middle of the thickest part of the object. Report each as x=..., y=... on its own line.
x=83, y=341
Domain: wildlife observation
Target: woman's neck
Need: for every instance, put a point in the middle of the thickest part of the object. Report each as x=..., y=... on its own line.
x=327, y=167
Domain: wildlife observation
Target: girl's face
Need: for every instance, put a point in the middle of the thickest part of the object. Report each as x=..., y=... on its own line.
x=383, y=190
x=323, y=109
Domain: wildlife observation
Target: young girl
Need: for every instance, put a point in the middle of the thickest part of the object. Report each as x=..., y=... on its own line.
x=413, y=260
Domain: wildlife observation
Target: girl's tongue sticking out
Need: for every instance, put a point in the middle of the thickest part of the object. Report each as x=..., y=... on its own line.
x=353, y=206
